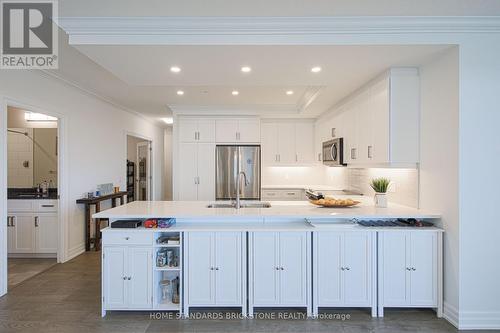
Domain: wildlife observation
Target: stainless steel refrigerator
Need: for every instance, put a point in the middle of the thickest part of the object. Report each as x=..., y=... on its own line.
x=230, y=160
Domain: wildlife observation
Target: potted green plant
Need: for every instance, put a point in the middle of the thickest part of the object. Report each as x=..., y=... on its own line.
x=380, y=186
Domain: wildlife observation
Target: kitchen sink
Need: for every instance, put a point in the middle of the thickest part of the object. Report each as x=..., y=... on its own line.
x=258, y=204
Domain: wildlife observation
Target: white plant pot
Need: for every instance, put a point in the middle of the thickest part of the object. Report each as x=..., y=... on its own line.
x=380, y=200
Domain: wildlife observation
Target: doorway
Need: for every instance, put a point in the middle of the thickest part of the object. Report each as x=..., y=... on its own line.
x=32, y=193
x=139, y=175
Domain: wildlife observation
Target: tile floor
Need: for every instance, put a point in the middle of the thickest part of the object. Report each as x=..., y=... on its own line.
x=66, y=298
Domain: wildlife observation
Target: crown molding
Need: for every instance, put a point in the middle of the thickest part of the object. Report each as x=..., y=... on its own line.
x=263, y=30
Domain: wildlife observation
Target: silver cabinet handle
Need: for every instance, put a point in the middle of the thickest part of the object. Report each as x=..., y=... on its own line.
x=408, y=268
x=124, y=278
x=353, y=153
x=8, y=221
x=211, y=268
x=370, y=148
x=281, y=268
x=296, y=157
x=342, y=268
x=47, y=206
x=347, y=268
x=196, y=135
x=127, y=238
x=334, y=130
x=276, y=158
x=413, y=269
x=13, y=221
x=319, y=157
x=277, y=268
x=36, y=221
x=129, y=278
x=216, y=268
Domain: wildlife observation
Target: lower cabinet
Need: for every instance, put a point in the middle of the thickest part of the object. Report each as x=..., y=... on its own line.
x=216, y=270
x=32, y=233
x=127, y=278
x=344, y=270
x=409, y=269
x=280, y=270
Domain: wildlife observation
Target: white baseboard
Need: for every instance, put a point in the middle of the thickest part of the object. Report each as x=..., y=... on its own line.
x=479, y=320
x=75, y=251
x=450, y=313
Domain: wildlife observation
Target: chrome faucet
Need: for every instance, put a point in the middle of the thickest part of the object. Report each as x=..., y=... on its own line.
x=238, y=179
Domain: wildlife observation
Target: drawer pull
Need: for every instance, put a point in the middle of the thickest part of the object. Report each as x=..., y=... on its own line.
x=48, y=206
x=290, y=193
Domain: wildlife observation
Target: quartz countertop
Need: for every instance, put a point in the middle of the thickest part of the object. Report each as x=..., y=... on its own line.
x=198, y=210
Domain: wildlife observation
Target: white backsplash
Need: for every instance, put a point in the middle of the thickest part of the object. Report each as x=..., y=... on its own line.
x=403, y=190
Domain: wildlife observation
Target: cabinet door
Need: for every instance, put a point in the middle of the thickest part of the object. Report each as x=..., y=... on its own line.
x=24, y=233
x=228, y=274
x=206, y=171
x=286, y=143
x=265, y=268
x=357, y=255
x=328, y=249
x=226, y=130
x=304, y=142
x=188, y=129
x=249, y=130
x=200, y=261
x=380, y=121
x=206, y=130
x=139, y=278
x=188, y=171
x=364, y=128
x=395, y=276
x=115, y=277
x=46, y=234
x=293, y=265
x=350, y=135
x=269, y=142
x=423, y=284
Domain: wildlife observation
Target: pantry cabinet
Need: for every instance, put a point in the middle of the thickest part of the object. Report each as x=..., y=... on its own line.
x=344, y=270
x=279, y=264
x=409, y=273
x=196, y=171
x=127, y=277
x=238, y=130
x=288, y=142
x=196, y=130
x=216, y=269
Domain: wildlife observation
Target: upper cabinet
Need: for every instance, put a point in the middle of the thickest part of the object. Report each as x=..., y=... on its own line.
x=196, y=130
x=379, y=123
x=287, y=142
x=237, y=130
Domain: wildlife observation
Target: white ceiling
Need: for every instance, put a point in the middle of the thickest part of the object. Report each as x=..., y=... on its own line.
x=210, y=73
x=278, y=8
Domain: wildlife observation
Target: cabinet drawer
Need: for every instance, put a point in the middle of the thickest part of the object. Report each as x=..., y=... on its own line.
x=291, y=195
x=127, y=238
x=20, y=205
x=45, y=206
x=271, y=195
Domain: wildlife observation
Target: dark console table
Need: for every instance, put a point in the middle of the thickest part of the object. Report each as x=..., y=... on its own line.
x=88, y=219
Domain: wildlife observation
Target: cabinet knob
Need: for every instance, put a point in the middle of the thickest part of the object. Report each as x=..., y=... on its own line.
x=342, y=268
x=347, y=268
x=124, y=277
x=277, y=268
x=129, y=278
x=216, y=268
x=408, y=268
x=211, y=268
x=127, y=238
x=282, y=268
x=413, y=269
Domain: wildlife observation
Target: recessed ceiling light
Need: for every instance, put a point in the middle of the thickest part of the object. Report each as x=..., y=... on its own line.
x=175, y=69
x=168, y=120
x=246, y=69
x=235, y=92
x=289, y=92
x=316, y=69
x=180, y=92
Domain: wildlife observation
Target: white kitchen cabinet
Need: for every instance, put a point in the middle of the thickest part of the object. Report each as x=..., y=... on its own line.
x=280, y=270
x=46, y=233
x=409, y=269
x=238, y=130
x=196, y=130
x=379, y=123
x=216, y=269
x=196, y=179
x=344, y=270
x=127, y=278
x=283, y=195
x=23, y=238
x=288, y=143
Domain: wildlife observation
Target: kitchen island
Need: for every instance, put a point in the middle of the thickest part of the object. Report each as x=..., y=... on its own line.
x=290, y=255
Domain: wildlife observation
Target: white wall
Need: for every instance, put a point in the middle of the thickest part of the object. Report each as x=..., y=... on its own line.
x=95, y=131
x=439, y=160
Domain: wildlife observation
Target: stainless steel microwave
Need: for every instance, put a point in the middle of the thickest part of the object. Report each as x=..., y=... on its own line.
x=333, y=152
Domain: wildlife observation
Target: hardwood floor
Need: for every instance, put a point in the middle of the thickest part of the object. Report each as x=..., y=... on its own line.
x=66, y=299
x=21, y=269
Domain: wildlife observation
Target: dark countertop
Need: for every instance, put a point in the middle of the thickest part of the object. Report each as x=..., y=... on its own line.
x=30, y=194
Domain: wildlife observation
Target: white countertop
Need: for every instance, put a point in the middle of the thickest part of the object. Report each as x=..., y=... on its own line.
x=297, y=210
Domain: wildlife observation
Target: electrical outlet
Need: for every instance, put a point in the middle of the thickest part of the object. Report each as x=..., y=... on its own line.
x=392, y=187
